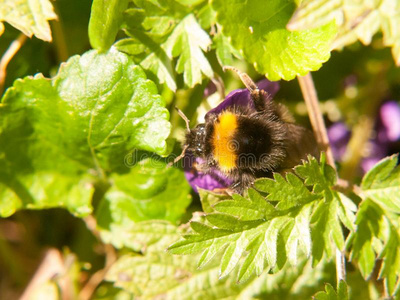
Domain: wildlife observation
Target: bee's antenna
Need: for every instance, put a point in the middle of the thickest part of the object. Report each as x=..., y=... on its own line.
x=178, y=158
x=247, y=81
x=182, y=115
x=258, y=96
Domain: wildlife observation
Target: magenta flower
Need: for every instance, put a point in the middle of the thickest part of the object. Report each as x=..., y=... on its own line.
x=339, y=135
x=389, y=117
x=387, y=134
x=214, y=179
x=241, y=97
x=208, y=181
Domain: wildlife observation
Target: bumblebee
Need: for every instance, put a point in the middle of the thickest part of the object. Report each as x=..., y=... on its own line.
x=247, y=142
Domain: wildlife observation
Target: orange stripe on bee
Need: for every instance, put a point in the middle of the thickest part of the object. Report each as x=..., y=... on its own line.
x=224, y=146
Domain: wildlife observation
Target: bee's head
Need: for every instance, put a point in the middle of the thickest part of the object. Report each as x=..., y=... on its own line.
x=195, y=140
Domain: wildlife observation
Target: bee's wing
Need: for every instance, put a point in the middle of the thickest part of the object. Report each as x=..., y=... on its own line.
x=283, y=113
x=301, y=142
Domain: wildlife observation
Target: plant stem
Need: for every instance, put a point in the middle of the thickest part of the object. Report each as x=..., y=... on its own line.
x=94, y=281
x=311, y=99
x=340, y=266
x=11, y=262
x=314, y=112
x=8, y=55
x=59, y=39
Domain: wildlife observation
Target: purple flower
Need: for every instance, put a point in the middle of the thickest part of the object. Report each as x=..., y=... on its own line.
x=389, y=125
x=339, y=136
x=387, y=133
x=241, y=97
x=215, y=179
x=208, y=181
x=376, y=152
x=209, y=90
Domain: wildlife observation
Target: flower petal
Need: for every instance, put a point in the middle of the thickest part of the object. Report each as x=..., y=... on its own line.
x=241, y=97
x=208, y=181
x=390, y=118
x=339, y=136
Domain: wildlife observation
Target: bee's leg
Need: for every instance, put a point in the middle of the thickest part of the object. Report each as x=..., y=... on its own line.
x=246, y=180
x=223, y=191
x=235, y=185
x=202, y=167
x=259, y=97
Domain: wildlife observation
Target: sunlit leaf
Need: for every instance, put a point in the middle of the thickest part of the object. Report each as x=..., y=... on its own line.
x=188, y=41
x=105, y=21
x=258, y=30
x=357, y=20
x=149, y=191
x=382, y=184
x=84, y=120
x=305, y=222
x=331, y=294
x=29, y=16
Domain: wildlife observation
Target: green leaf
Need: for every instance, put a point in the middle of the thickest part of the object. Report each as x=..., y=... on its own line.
x=330, y=294
x=190, y=2
x=254, y=208
x=320, y=175
x=299, y=237
x=161, y=8
x=145, y=236
x=327, y=228
x=346, y=212
x=209, y=199
x=86, y=119
x=382, y=184
x=105, y=21
x=368, y=226
x=330, y=214
x=377, y=222
x=29, y=16
x=258, y=30
x=390, y=269
x=45, y=190
x=156, y=61
x=375, y=228
x=342, y=290
x=224, y=50
x=159, y=274
x=172, y=277
x=162, y=30
x=148, y=28
x=188, y=41
x=149, y=191
x=211, y=240
x=108, y=292
x=104, y=101
x=160, y=64
x=206, y=16
x=357, y=20
x=150, y=275
x=255, y=229
x=236, y=237
x=289, y=193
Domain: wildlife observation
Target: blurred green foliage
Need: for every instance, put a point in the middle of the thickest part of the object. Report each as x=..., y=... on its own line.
x=81, y=136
